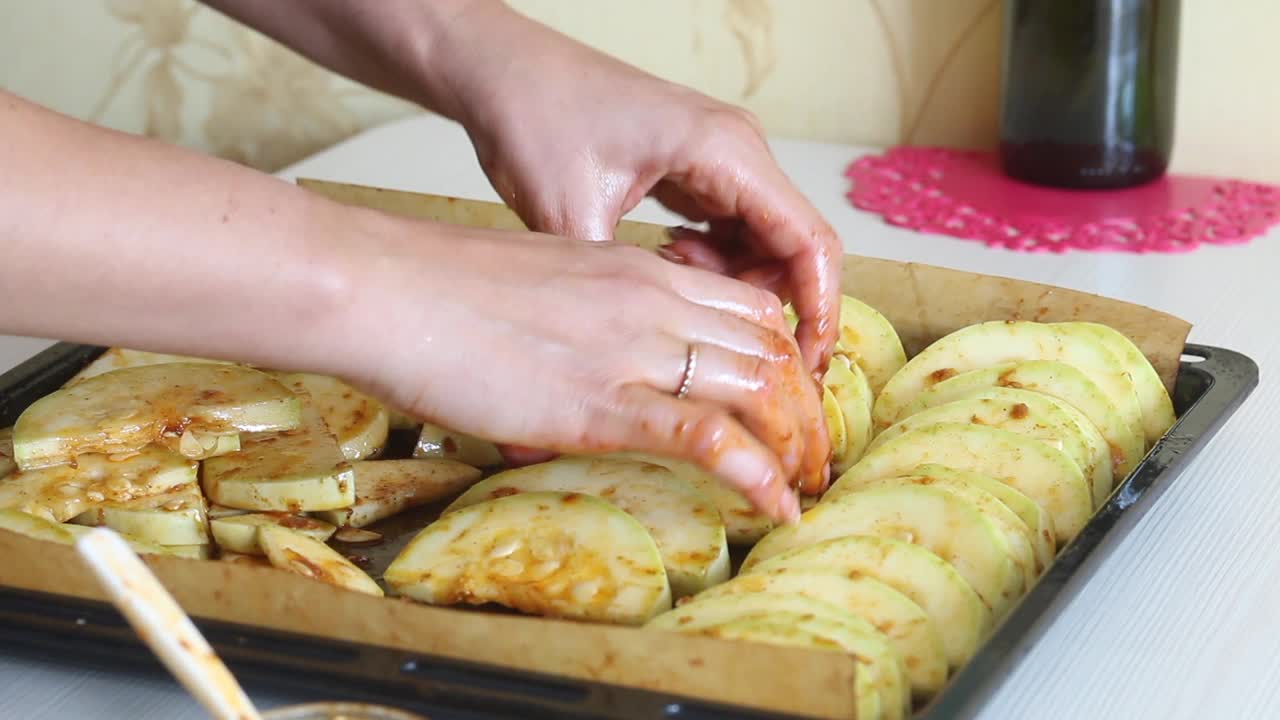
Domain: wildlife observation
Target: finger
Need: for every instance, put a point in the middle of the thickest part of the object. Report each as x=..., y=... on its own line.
x=729, y=295
x=647, y=420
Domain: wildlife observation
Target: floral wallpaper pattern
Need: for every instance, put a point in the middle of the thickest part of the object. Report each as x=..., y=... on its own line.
x=868, y=72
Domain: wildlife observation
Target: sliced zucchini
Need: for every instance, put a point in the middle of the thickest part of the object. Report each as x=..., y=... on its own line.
x=295, y=471
x=7, y=465
x=388, y=487
x=239, y=533
x=358, y=422
x=998, y=342
x=222, y=511
x=117, y=358
x=743, y=523
x=1042, y=473
x=836, y=431
x=1029, y=413
x=1037, y=521
x=683, y=523
x=65, y=491
x=1049, y=377
x=1157, y=407
x=438, y=442
x=958, y=614
x=1015, y=531
x=857, y=636
x=809, y=632
x=177, y=517
x=200, y=446
x=848, y=387
x=944, y=523
x=555, y=554
x=868, y=339
x=293, y=551
x=911, y=632
x=34, y=527
x=138, y=545
x=125, y=410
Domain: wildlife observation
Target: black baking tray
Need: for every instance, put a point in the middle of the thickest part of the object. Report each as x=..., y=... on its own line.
x=1212, y=383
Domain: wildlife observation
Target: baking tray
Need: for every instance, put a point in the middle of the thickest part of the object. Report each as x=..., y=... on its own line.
x=1212, y=382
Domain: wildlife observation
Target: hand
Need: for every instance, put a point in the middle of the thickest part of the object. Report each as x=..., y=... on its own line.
x=523, y=351
x=573, y=140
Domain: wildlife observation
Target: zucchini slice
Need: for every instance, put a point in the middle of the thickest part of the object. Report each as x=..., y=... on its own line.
x=435, y=441
x=63, y=492
x=388, y=487
x=295, y=471
x=1056, y=379
x=1033, y=414
x=177, y=517
x=809, y=632
x=138, y=545
x=125, y=410
x=958, y=614
x=1157, y=407
x=906, y=626
x=358, y=422
x=848, y=387
x=117, y=358
x=743, y=523
x=867, y=338
x=683, y=523
x=944, y=523
x=857, y=636
x=239, y=533
x=35, y=527
x=555, y=554
x=7, y=465
x=1040, y=472
x=999, y=342
x=306, y=556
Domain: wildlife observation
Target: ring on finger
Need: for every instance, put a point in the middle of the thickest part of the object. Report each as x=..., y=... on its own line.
x=690, y=367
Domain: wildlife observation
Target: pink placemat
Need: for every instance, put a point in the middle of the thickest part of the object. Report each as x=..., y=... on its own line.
x=964, y=195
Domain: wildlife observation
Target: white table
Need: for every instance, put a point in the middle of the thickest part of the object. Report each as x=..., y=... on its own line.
x=1179, y=622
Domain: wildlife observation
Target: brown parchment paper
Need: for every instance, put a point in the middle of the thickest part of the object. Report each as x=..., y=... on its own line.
x=923, y=302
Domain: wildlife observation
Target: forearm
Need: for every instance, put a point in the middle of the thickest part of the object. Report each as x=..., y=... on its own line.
x=403, y=47
x=107, y=238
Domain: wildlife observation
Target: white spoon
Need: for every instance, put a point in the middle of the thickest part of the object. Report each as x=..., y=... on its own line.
x=163, y=625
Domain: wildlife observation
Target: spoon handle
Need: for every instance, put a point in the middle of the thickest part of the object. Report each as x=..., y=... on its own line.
x=158, y=619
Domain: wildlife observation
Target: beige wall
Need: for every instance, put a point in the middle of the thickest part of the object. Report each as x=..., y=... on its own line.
x=859, y=71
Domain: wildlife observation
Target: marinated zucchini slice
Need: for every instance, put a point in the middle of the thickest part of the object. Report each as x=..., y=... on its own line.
x=293, y=551
x=388, y=487
x=852, y=395
x=1033, y=414
x=358, y=422
x=34, y=527
x=125, y=410
x=555, y=554
x=117, y=358
x=177, y=517
x=1056, y=379
x=683, y=523
x=1157, y=407
x=438, y=442
x=857, y=636
x=994, y=343
x=1042, y=473
x=868, y=339
x=295, y=471
x=958, y=614
x=944, y=523
x=743, y=523
x=909, y=630
x=63, y=492
x=138, y=545
x=239, y=533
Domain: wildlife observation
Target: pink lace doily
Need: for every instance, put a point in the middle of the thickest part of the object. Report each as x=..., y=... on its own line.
x=965, y=195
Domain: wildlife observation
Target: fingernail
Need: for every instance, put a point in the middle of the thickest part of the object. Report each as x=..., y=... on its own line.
x=668, y=253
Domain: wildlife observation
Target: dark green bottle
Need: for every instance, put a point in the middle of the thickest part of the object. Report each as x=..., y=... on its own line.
x=1088, y=91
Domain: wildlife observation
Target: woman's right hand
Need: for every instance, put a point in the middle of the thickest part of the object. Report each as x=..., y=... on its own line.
x=576, y=347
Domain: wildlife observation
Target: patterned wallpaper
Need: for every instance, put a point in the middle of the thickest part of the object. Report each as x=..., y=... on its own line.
x=860, y=71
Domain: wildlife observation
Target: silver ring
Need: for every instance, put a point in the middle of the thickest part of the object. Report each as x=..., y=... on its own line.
x=690, y=365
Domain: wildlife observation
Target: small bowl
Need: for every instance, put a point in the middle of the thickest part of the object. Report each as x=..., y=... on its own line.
x=339, y=711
